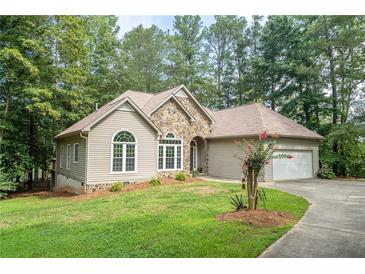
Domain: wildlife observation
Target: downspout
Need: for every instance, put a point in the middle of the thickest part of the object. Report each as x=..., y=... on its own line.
x=86, y=158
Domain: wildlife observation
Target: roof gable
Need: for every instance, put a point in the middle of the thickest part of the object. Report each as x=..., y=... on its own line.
x=180, y=91
x=86, y=123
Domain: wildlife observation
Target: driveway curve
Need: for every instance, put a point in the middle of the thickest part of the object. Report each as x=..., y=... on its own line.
x=334, y=224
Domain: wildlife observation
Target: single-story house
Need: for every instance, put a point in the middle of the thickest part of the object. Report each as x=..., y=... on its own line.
x=141, y=135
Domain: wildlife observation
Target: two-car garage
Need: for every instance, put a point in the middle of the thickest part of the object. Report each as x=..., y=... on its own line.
x=248, y=122
x=223, y=161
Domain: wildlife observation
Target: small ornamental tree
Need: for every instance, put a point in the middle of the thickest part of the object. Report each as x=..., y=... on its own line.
x=255, y=155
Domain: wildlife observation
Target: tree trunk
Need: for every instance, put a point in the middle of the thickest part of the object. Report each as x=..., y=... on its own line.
x=333, y=87
x=334, y=103
x=252, y=188
x=272, y=95
x=31, y=150
x=306, y=109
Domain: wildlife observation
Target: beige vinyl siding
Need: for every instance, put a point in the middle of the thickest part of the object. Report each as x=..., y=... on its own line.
x=291, y=144
x=100, y=152
x=77, y=170
x=223, y=163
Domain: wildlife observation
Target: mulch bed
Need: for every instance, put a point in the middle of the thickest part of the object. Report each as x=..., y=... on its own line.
x=259, y=217
x=93, y=195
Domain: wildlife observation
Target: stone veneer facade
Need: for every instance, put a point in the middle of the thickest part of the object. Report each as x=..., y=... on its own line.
x=89, y=188
x=170, y=117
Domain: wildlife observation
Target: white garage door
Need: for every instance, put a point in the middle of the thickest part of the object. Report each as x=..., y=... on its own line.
x=299, y=167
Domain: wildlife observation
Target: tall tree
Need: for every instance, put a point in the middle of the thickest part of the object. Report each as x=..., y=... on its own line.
x=279, y=37
x=185, y=64
x=105, y=78
x=143, y=52
x=248, y=55
x=219, y=46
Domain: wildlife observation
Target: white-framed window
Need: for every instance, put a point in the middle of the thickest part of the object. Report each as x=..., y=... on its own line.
x=76, y=153
x=170, y=153
x=68, y=156
x=170, y=135
x=61, y=156
x=124, y=148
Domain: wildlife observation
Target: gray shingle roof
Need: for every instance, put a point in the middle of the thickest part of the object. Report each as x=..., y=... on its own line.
x=246, y=120
x=145, y=101
x=250, y=120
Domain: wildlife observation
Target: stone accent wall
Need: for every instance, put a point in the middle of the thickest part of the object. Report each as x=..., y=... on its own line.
x=172, y=118
x=103, y=186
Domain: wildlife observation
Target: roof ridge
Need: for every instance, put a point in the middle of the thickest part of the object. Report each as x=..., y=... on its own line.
x=169, y=89
x=243, y=105
x=139, y=91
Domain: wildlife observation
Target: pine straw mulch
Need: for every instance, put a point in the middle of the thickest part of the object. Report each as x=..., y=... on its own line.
x=92, y=195
x=259, y=217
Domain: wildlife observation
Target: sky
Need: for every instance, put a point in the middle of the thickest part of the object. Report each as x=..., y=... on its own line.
x=165, y=22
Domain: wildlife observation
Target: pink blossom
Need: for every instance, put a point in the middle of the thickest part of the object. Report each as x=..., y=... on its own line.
x=263, y=135
x=290, y=156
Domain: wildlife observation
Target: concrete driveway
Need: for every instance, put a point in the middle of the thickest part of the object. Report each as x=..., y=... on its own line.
x=333, y=226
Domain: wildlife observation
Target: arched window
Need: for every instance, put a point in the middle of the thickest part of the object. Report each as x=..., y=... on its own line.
x=124, y=152
x=170, y=153
x=170, y=135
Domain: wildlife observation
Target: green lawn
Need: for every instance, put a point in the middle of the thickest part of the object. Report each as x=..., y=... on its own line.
x=163, y=221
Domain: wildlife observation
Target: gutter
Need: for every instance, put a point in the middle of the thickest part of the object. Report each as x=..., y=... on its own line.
x=86, y=157
x=256, y=135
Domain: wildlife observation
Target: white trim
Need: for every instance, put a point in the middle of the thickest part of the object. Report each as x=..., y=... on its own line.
x=195, y=153
x=181, y=93
x=61, y=156
x=86, y=157
x=170, y=132
x=68, y=156
x=175, y=154
x=78, y=153
x=124, y=148
x=172, y=96
x=126, y=107
x=195, y=100
x=138, y=110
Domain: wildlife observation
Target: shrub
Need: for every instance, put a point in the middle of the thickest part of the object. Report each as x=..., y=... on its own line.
x=6, y=185
x=116, y=187
x=194, y=173
x=180, y=176
x=237, y=202
x=155, y=182
x=325, y=172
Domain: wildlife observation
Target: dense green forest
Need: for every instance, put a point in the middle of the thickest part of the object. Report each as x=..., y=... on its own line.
x=53, y=69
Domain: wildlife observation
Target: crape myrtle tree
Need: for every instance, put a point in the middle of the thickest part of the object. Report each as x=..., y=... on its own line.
x=254, y=156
